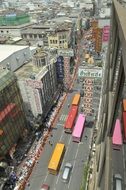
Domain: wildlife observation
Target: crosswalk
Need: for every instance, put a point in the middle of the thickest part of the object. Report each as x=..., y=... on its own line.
x=63, y=117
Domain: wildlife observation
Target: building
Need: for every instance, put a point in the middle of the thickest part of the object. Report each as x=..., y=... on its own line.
x=65, y=66
x=13, y=17
x=13, y=56
x=38, y=84
x=12, y=118
x=60, y=38
x=107, y=162
x=12, y=22
x=37, y=34
x=92, y=82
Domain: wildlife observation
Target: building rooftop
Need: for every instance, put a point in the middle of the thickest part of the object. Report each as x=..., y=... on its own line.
x=59, y=20
x=7, y=50
x=36, y=31
x=16, y=26
x=28, y=70
x=5, y=78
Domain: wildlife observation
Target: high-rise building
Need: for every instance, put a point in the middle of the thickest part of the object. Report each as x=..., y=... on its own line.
x=12, y=118
x=38, y=84
x=109, y=162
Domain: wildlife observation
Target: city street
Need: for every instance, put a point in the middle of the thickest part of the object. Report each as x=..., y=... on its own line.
x=76, y=153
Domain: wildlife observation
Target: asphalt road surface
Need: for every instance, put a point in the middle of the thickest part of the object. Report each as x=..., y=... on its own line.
x=76, y=153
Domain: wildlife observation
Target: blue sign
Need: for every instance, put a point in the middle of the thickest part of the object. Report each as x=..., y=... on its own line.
x=60, y=68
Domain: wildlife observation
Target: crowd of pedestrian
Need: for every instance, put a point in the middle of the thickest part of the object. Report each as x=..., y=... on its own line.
x=25, y=169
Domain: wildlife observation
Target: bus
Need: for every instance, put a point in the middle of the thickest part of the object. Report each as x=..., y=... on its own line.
x=124, y=104
x=70, y=121
x=56, y=158
x=117, y=136
x=76, y=99
x=79, y=128
x=124, y=126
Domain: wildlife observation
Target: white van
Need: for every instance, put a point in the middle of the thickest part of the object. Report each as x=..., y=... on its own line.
x=117, y=185
x=66, y=172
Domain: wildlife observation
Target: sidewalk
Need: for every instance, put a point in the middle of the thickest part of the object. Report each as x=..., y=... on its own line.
x=24, y=170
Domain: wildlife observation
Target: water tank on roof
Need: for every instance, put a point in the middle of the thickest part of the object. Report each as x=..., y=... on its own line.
x=32, y=76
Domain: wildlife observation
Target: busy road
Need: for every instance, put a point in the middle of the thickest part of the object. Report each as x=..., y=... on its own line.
x=76, y=154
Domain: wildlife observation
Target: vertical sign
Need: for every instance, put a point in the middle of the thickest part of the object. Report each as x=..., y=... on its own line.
x=106, y=32
x=60, y=68
x=37, y=101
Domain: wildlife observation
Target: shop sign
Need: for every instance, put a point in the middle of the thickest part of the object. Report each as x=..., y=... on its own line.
x=66, y=52
x=92, y=73
x=60, y=67
x=37, y=101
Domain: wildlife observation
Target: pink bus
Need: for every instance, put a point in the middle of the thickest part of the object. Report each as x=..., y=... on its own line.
x=78, y=129
x=117, y=136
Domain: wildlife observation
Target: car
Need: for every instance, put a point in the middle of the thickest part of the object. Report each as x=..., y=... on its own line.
x=45, y=187
x=66, y=172
x=117, y=185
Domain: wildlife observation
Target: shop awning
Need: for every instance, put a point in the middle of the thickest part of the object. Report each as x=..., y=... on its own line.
x=91, y=60
x=87, y=56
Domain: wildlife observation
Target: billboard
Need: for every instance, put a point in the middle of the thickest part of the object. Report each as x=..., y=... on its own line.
x=91, y=73
x=60, y=68
x=66, y=52
x=105, y=35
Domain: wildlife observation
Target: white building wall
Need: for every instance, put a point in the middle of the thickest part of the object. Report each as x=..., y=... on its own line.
x=17, y=59
x=30, y=97
x=10, y=32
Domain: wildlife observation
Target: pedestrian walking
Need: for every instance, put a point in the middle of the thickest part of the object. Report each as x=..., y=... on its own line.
x=49, y=142
x=86, y=137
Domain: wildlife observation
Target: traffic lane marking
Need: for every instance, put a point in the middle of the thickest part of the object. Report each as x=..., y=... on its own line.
x=73, y=166
x=77, y=151
x=61, y=136
x=57, y=178
x=46, y=177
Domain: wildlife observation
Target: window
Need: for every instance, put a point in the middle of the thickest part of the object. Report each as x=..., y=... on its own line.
x=50, y=41
x=35, y=35
x=1, y=31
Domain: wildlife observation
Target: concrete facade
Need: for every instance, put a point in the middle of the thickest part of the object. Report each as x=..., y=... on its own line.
x=113, y=87
x=13, y=57
x=38, y=84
